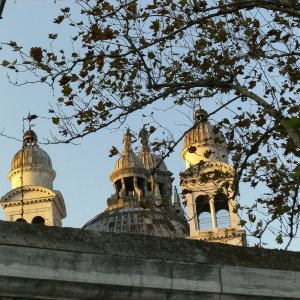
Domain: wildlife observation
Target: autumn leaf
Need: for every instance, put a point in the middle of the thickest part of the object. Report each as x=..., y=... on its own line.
x=36, y=53
x=113, y=151
x=55, y=120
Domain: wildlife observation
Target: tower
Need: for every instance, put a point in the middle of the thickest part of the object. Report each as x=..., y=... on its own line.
x=32, y=198
x=206, y=185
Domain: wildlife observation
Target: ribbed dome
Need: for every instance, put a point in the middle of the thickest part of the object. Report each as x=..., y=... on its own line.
x=128, y=161
x=204, y=134
x=151, y=221
x=31, y=154
x=150, y=161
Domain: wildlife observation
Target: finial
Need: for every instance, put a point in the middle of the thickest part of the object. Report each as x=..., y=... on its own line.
x=144, y=136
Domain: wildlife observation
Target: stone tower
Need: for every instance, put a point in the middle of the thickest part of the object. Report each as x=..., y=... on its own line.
x=206, y=185
x=32, y=198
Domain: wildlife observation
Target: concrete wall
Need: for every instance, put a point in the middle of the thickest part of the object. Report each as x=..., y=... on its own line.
x=63, y=263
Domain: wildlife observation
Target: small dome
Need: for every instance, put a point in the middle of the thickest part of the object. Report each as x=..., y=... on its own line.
x=30, y=137
x=201, y=114
x=155, y=221
x=204, y=134
x=31, y=154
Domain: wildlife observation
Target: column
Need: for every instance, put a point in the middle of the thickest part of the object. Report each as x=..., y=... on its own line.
x=213, y=213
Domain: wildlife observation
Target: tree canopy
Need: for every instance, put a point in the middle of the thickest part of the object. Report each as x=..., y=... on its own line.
x=238, y=56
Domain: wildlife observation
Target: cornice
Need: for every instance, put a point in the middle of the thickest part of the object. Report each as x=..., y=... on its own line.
x=31, y=168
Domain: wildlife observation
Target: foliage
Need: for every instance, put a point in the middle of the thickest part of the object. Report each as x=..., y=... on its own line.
x=242, y=56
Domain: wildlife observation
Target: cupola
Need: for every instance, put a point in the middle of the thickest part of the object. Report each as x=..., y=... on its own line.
x=204, y=142
x=31, y=165
x=32, y=198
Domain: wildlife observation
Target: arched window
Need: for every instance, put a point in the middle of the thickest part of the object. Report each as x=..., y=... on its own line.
x=223, y=218
x=204, y=221
x=38, y=220
x=222, y=210
x=221, y=201
x=21, y=220
x=203, y=212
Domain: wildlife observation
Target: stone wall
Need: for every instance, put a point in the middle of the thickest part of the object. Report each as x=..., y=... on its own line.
x=64, y=263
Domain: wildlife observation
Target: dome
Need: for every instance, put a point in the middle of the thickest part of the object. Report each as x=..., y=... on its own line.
x=150, y=161
x=204, y=134
x=155, y=221
x=128, y=161
x=31, y=154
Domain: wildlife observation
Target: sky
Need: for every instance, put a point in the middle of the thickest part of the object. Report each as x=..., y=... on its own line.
x=83, y=169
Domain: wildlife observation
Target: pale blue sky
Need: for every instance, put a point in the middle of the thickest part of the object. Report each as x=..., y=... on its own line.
x=82, y=170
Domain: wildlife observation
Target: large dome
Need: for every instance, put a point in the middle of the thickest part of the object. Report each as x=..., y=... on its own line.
x=31, y=154
x=155, y=221
x=128, y=161
x=151, y=160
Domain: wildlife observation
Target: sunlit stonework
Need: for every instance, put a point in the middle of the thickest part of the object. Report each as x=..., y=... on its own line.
x=207, y=185
x=32, y=198
x=142, y=202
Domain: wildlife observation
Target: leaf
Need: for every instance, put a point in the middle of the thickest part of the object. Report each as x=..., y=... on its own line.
x=252, y=84
x=207, y=153
x=59, y=19
x=152, y=129
x=36, y=53
x=192, y=149
x=52, y=36
x=5, y=63
x=113, y=151
x=155, y=26
x=279, y=239
x=55, y=120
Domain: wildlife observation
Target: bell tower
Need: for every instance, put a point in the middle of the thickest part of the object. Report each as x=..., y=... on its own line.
x=206, y=185
x=32, y=198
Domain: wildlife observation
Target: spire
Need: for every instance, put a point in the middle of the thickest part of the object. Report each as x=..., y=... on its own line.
x=176, y=197
x=177, y=203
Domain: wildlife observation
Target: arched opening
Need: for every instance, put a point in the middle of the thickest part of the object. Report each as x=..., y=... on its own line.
x=223, y=218
x=221, y=202
x=222, y=210
x=140, y=184
x=38, y=220
x=129, y=186
x=203, y=212
x=21, y=220
x=204, y=221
